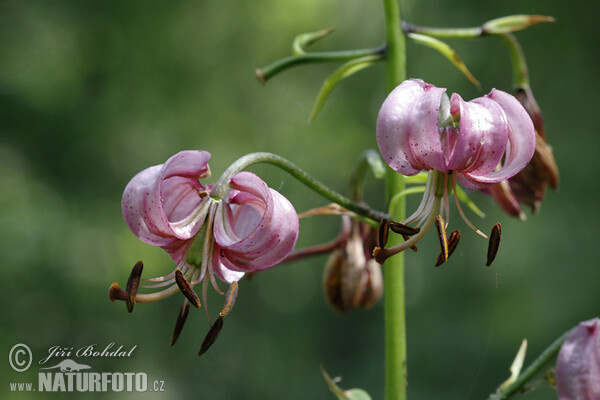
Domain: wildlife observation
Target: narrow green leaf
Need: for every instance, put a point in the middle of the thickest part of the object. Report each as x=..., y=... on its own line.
x=446, y=51
x=376, y=164
x=517, y=365
x=464, y=198
x=302, y=41
x=346, y=70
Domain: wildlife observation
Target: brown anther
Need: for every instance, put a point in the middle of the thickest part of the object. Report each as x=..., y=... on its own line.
x=378, y=256
x=402, y=229
x=384, y=228
x=203, y=193
x=452, y=243
x=413, y=247
x=211, y=336
x=494, y=243
x=116, y=293
x=186, y=289
x=133, y=283
x=230, y=297
x=441, y=230
x=181, y=317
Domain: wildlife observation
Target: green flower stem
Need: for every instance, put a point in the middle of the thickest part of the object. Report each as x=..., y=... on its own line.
x=531, y=370
x=266, y=73
x=520, y=71
x=395, y=318
x=444, y=33
x=222, y=186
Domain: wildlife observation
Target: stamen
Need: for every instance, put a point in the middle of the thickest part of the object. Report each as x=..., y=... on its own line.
x=211, y=336
x=116, y=293
x=441, y=230
x=158, y=285
x=402, y=229
x=381, y=255
x=384, y=228
x=160, y=278
x=431, y=182
x=133, y=283
x=181, y=318
x=204, y=298
x=230, y=299
x=150, y=297
x=460, y=210
x=494, y=243
x=452, y=243
x=446, y=203
x=186, y=289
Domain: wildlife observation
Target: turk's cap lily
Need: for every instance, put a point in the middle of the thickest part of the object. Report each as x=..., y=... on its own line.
x=578, y=365
x=253, y=227
x=420, y=128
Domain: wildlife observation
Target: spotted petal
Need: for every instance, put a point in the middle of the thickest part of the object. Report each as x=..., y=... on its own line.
x=521, y=140
x=407, y=128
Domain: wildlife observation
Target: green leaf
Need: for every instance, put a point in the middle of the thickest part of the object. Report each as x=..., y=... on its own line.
x=346, y=70
x=446, y=51
x=517, y=365
x=302, y=41
x=352, y=394
x=375, y=163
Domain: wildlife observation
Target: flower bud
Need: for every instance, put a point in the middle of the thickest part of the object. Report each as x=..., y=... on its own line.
x=578, y=365
x=352, y=277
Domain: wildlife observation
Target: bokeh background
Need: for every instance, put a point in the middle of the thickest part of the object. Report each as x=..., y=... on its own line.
x=91, y=92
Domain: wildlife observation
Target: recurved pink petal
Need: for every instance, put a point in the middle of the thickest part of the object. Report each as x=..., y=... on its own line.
x=407, y=128
x=164, y=203
x=133, y=206
x=578, y=365
x=521, y=140
x=255, y=227
x=481, y=139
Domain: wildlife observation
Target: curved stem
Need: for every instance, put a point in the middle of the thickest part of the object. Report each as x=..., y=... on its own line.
x=395, y=314
x=222, y=186
x=266, y=73
x=520, y=71
x=531, y=370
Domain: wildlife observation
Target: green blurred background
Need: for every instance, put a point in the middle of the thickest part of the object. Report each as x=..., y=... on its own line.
x=91, y=92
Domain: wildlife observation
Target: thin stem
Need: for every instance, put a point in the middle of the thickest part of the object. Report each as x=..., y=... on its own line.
x=222, y=186
x=520, y=71
x=395, y=317
x=444, y=33
x=266, y=73
x=531, y=370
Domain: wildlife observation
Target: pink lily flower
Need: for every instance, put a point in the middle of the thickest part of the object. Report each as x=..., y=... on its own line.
x=252, y=228
x=479, y=143
x=578, y=365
